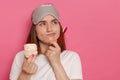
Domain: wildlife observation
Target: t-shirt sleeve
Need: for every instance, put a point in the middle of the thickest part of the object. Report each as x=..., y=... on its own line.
x=76, y=68
x=15, y=69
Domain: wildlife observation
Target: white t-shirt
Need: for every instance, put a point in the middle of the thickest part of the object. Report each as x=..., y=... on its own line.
x=69, y=59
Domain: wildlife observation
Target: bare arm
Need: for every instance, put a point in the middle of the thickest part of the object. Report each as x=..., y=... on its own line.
x=24, y=76
x=53, y=54
x=60, y=72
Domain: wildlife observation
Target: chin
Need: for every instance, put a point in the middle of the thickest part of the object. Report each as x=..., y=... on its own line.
x=52, y=41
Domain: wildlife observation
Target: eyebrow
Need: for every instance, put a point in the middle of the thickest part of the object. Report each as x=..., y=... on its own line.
x=42, y=21
x=46, y=21
x=54, y=20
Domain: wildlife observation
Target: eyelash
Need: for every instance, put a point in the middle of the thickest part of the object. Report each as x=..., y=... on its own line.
x=44, y=23
x=55, y=22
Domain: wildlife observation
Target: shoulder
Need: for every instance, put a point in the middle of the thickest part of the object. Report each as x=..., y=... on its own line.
x=70, y=54
x=19, y=57
x=20, y=54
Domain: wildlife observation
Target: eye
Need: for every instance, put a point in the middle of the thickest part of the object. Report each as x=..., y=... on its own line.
x=42, y=24
x=55, y=22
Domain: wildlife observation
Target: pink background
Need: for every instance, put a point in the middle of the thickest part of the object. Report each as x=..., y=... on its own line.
x=93, y=32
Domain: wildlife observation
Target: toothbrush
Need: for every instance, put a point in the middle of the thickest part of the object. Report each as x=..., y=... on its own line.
x=61, y=36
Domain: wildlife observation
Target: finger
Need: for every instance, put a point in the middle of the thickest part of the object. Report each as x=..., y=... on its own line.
x=25, y=59
x=51, y=48
x=55, y=44
x=48, y=52
x=33, y=58
x=31, y=68
x=25, y=63
x=34, y=68
x=29, y=59
x=25, y=66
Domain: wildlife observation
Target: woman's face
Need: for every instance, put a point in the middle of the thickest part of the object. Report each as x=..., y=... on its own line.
x=48, y=29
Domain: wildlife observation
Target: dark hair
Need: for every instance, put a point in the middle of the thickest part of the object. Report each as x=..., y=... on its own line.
x=32, y=38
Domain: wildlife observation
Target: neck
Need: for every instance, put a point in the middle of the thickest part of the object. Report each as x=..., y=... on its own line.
x=43, y=47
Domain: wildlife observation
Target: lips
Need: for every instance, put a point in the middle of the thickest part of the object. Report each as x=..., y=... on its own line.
x=51, y=34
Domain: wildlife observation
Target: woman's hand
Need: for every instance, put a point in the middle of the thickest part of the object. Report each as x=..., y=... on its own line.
x=29, y=66
x=53, y=53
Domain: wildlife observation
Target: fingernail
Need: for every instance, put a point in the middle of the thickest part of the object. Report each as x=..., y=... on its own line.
x=33, y=55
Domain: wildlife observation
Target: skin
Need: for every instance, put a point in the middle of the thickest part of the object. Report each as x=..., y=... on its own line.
x=48, y=31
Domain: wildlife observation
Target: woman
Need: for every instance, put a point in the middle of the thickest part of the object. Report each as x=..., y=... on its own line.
x=53, y=61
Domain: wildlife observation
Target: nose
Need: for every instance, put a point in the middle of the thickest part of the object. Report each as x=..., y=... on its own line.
x=49, y=27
